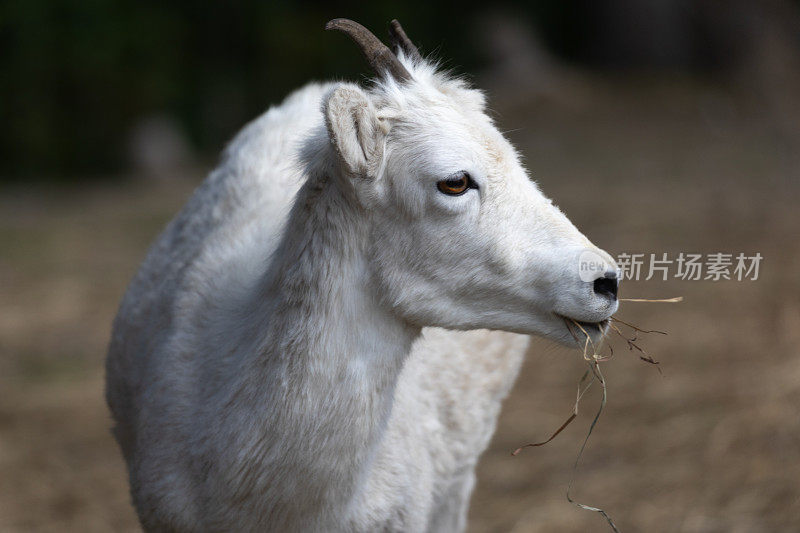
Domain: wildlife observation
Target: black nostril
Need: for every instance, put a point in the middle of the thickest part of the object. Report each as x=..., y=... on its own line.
x=606, y=286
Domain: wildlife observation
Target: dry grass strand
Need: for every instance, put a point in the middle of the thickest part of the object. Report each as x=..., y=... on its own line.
x=657, y=300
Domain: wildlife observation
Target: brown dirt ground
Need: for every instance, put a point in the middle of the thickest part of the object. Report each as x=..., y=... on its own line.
x=639, y=166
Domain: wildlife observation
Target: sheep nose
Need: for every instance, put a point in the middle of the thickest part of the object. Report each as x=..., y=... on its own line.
x=607, y=285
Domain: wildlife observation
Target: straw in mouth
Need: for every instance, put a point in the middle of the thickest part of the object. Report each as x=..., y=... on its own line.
x=593, y=374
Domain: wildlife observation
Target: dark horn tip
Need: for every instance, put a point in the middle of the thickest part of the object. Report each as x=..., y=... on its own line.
x=398, y=37
x=334, y=24
x=380, y=58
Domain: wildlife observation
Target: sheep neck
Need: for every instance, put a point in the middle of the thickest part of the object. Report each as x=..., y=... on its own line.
x=334, y=349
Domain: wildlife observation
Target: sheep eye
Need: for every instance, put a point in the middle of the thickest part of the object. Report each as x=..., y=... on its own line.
x=455, y=184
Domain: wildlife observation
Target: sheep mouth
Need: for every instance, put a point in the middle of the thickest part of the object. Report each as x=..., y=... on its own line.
x=574, y=326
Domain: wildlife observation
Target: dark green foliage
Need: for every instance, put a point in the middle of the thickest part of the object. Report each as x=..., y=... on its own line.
x=77, y=74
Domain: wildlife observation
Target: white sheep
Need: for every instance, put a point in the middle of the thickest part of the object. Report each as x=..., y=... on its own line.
x=276, y=363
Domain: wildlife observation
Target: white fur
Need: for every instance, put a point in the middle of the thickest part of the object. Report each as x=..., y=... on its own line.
x=275, y=363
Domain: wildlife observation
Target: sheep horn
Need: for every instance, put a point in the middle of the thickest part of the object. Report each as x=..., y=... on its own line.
x=398, y=38
x=378, y=55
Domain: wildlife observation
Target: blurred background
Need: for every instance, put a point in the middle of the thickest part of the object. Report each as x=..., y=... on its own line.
x=657, y=125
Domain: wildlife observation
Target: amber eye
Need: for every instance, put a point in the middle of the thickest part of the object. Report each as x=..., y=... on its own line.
x=455, y=184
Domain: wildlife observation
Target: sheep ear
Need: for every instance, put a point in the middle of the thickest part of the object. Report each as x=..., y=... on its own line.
x=354, y=129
